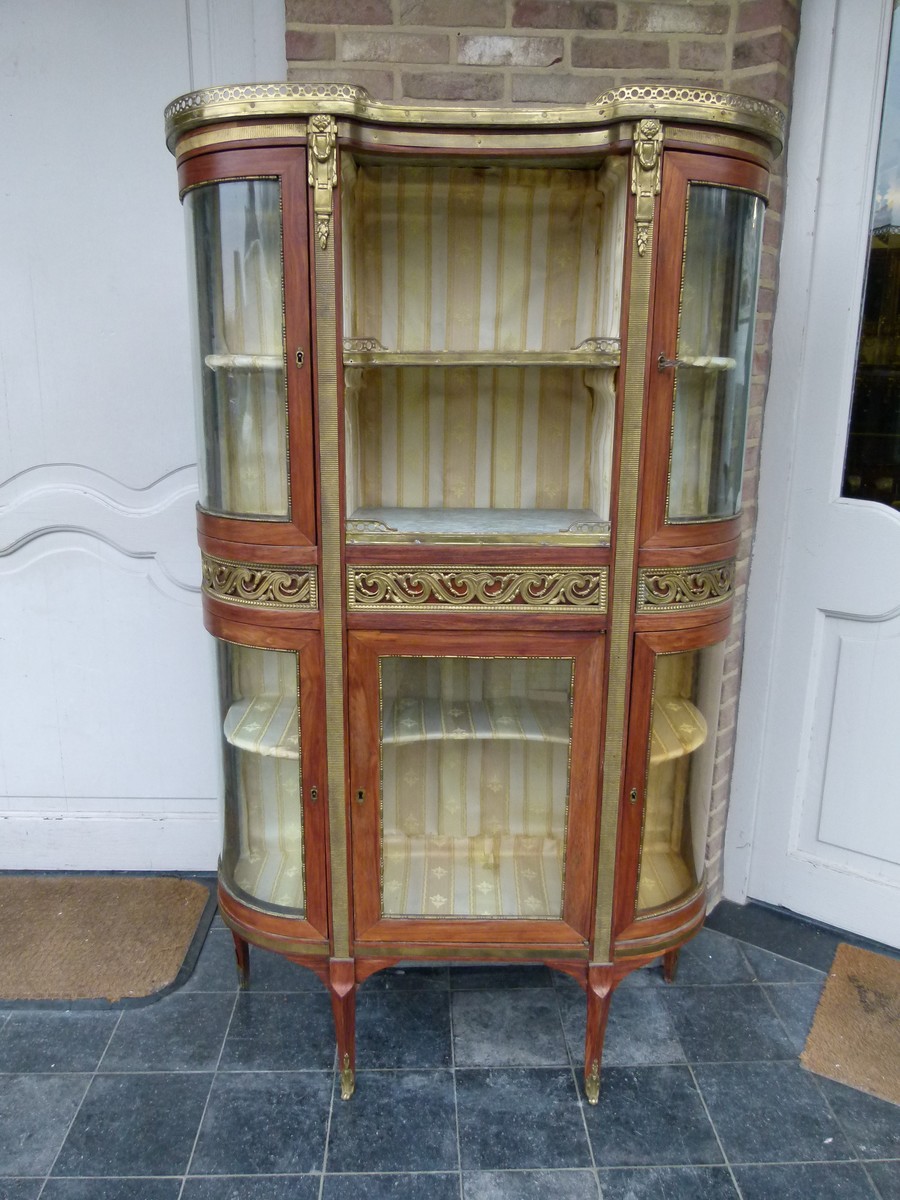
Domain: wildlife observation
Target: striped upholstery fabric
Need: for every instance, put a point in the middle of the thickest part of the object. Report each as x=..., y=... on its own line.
x=263, y=850
x=482, y=258
x=475, y=782
x=480, y=437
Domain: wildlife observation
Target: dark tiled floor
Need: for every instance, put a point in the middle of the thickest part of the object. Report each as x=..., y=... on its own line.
x=468, y=1089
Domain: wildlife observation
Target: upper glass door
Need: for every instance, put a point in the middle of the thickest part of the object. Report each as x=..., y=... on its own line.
x=481, y=312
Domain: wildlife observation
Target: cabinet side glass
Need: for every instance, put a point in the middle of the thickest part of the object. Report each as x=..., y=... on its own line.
x=714, y=358
x=234, y=239
x=262, y=854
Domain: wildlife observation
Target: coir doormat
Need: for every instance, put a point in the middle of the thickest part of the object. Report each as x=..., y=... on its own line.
x=855, y=1037
x=95, y=937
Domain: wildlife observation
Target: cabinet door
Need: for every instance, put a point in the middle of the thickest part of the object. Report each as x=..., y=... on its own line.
x=273, y=855
x=245, y=214
x=702, y=347
x=474, y=783
x=677, y=685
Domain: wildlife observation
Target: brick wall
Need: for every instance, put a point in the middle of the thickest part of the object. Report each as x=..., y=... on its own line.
x=569, y=51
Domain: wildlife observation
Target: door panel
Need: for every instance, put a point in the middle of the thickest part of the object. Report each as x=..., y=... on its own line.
x=474, y=786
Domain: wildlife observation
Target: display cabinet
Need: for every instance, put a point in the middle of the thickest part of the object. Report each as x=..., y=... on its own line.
x=472, y=393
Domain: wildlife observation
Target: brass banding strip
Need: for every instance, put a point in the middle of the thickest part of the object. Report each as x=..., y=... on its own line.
x=620, y=626
x=283, y=131
x=330, y=496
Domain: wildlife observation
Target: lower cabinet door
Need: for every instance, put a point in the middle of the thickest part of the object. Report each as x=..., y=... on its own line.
x=676, y=693
x=474, y=785
x=273, y=849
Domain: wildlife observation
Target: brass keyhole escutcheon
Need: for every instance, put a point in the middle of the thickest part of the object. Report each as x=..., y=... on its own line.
x=313, y=794
x=360, y=796
x=633, y=796
x=299, y=358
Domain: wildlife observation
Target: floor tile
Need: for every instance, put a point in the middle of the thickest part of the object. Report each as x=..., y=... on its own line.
x=397, y=1121
x=285, y=1031
x=650, y=1116
x=391, y=1187
x=21, y=1189
x=112, y=1189
x=775, y=968
x=640, y=1030
x=264, y=1123
x=779, y=932
x=770, y=1112
x=35, y=1112
x=871, y=1125
x=183, y=1032
x=253, y=1187
x=530, y=1185
x=520, y=1119
x=401, y=979
x=508, y=1029
x=711, y=958
x=796, y=1005
x=135, y=1125
x=886, y=1177
x=403, y=1029
x=800, y=1181
x=727, y=1024
x=55, y=1041
x=512, y=976
x=271, y=972
x=668, y=1183
x=215, y=970
x=650, y=976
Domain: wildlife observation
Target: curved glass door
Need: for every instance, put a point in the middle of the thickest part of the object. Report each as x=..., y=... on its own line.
x=681, y=756
x=714, y=357
x=235, y=242
x=262, y=853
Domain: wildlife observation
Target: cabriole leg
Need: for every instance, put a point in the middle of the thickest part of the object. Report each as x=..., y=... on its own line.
x=242, y=955
x=342, y=989
x=670, y=964
x=601, y=982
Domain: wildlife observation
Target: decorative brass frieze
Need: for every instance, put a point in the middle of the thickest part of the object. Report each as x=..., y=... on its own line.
x=492, y=589
x=260, y=585
x=322, y=171
x=667, y=588
x=645, y=176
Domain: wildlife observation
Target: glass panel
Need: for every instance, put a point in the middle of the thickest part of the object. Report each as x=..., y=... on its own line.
x=467, y=258
x=234, y=238
x=474, y=785
x=715, y=352
x=872, y=467
x=476, y=451
x=686, y=692
x=262, y=856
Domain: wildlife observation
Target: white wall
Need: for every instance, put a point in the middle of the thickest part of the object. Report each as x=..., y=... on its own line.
x=108, y=746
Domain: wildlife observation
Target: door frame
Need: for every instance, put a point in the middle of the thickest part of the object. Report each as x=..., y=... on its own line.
x=830, y=168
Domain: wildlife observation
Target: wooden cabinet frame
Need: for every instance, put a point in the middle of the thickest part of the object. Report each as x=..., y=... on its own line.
x=602, y=580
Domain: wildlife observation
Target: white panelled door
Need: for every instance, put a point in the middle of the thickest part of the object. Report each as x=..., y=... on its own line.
x=815, y=818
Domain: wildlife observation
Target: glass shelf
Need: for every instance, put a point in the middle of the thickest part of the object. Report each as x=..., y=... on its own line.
x=265, y=725
x=595, y=352
x=244, y=362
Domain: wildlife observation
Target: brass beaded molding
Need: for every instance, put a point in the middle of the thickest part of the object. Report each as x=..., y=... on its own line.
x=483, y=589
x=260, y=585
x=269, y=100
x=661, y=589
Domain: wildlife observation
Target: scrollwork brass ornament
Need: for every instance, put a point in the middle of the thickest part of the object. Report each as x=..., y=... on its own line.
x=495, y=589
x=645, y=176
x=322, y=171
x=667, y=588
x=260, y=585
